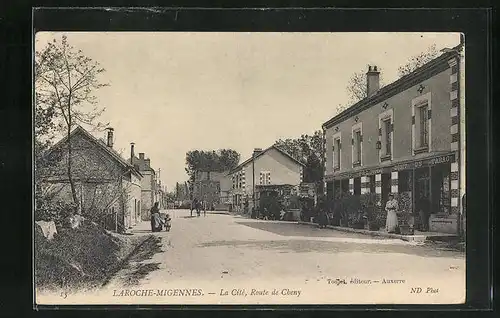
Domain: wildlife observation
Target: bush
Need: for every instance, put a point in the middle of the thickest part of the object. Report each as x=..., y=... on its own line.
x=373, y=213
x=48, y=210
x=75, y=257
x=272, y=204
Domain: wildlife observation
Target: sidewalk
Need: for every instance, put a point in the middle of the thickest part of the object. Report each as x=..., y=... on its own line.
x=417, y=237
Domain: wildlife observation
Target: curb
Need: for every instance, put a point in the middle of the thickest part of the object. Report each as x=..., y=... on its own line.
x=407, y=238
x=125, y=260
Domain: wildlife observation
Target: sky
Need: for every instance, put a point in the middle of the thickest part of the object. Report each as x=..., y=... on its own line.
x=171, y=92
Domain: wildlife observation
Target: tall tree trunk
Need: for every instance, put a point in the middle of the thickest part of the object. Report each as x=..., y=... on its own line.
x=70, y=177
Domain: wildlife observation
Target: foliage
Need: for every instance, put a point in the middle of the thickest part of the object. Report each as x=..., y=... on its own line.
x=418, y=60
x=374, y=214
x=272, y=204
x=65, y=82
x=214, y=161
x=47, y=209
x=170, y=196
x=308, y=150
x=356, y=88
x=78, y=258
x=405, y=208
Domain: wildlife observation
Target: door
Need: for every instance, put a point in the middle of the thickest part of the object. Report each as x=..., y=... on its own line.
x=386, y=187
x=422, y=194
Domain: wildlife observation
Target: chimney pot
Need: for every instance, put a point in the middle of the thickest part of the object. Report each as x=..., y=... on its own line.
x=132, y=153
x=141, y=156
x=110, y=137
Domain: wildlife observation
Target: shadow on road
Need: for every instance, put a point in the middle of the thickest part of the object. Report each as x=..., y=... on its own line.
x=136, y=270
x=305, y=246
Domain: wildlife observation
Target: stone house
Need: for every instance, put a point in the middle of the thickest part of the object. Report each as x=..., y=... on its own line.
x=271, y=166
x=149, y=185
x=406, y=138
x=210, y=187
x=107, y=186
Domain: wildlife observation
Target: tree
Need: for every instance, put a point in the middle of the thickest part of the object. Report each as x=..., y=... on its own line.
x=308, y=150
x=216, y=161
x=418, y=60
x=65, y=83
x=357, y=87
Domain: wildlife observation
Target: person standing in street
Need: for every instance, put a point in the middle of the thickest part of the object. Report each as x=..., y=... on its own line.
x=156, y=223
x=194, y=204
x=204, y=208
x=392, y=219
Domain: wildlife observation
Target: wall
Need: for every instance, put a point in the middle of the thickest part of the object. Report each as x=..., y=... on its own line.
x=132, y=186
x=146, y=193
x=438, y=86
x=283, y=169
x=98, y=180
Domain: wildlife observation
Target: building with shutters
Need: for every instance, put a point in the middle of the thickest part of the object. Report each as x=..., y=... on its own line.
x=271, y=166
x=406, y=138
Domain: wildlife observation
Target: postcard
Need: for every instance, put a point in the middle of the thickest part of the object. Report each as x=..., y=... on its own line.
x=192, y=168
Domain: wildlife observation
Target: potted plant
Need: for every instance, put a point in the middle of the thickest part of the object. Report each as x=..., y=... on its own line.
x=405, y=218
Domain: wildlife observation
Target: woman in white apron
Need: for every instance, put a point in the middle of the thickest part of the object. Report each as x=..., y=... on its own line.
x=392, y=219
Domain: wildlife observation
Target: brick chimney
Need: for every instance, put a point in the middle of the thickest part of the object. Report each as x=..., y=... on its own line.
x=132, y=154
x=147, y=162
x=372, y=80
x=110, y=137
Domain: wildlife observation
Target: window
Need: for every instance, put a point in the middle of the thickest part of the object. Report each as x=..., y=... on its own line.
x=387, y=137
x=357, y=147
x=421, y=123
x=424, y=126
x=385, y=134
x=336, y=151
x=265, y=178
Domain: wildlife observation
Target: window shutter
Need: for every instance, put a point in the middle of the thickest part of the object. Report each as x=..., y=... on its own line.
x=429, y=114
x=340, y=145
x=360, y=138
x=352, y=141
x=392, y=127
x=380, y=131
x=413, y=120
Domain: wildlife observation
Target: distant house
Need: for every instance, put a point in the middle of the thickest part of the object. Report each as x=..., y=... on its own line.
x=211, y=187
x=149, y=184
x=108, y=187
x=271, y=166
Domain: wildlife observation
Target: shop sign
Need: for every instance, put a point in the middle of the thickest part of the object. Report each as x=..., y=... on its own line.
x=424, y=163
x=405, y=166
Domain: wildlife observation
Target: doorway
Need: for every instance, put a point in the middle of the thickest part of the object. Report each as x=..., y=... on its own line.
x=386, y=187
x=357, y=186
